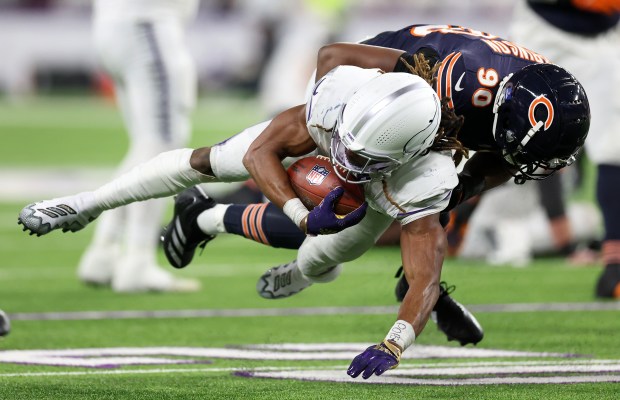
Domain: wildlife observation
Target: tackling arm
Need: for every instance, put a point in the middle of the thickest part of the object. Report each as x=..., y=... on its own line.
x=359, y=55
x=483, y=171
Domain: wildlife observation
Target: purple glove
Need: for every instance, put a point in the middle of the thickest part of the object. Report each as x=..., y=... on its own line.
x=322, y=220
x=376, y=359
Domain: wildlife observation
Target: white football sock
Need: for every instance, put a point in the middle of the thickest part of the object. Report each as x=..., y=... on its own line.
x=164, y=175
x=211, y=221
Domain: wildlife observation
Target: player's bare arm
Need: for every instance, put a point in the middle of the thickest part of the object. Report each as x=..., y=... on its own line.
x=359, y=55
x=423, y=246
x=285, y=136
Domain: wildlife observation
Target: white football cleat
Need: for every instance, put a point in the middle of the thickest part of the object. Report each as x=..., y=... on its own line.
x=134, y=274
x=70, y=213
x=282, y=281
x=97, y=264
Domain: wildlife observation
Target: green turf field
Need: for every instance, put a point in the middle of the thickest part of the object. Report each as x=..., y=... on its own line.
x=191, y=346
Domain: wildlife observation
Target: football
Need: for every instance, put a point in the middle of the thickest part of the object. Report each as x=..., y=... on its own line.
x=313, y=178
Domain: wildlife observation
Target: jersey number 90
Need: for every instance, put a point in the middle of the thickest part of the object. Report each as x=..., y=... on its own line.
x=488, y=78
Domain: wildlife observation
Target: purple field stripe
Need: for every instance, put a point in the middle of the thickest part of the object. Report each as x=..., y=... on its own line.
x=277, y=312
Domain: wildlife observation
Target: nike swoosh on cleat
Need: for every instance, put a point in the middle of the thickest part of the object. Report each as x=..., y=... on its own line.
x=458, y=86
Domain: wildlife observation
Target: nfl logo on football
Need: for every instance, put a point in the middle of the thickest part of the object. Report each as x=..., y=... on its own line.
x=317, y=175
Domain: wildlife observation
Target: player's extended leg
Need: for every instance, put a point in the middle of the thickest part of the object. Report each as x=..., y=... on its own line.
x=198, y=219
x=164, y=175
x=608, y=195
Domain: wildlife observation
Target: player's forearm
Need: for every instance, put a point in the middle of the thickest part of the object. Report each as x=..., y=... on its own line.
x=272, y=179
x=285, y=136
x=274, y=185
x=266, y=169
x=423, y=252
x=359, y=55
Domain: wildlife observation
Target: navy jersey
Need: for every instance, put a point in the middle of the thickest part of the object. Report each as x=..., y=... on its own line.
x=473, y=65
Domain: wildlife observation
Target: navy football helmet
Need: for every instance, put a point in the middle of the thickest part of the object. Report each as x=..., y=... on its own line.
x=542, y=117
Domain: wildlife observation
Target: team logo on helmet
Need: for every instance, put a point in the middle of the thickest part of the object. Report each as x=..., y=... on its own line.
x=545, y=102
x=317, y=175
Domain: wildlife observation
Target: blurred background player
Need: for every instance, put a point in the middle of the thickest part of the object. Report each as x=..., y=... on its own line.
x=514, y=224
x=141, y=45
x=294, y=31
x=584, y=36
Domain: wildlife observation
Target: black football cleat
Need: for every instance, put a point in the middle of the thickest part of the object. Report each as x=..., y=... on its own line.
x=451, y=317
x=454, y=320
x=608, y=284
x=182, y=235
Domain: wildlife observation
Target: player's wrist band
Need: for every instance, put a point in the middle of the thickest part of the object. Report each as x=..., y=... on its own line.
x=402, y=334
x=295, y=210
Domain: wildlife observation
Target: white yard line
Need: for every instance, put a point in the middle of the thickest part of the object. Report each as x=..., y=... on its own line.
x=445, y=374
x=278, y=312
x=148, y=371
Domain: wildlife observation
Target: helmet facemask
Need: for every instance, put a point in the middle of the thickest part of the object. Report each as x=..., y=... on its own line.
x=358, y=167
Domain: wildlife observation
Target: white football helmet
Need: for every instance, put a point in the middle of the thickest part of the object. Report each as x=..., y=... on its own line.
x=386, y=122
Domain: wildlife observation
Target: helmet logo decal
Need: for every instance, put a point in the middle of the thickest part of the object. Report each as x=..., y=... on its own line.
x=536, y=125
x=541, y=100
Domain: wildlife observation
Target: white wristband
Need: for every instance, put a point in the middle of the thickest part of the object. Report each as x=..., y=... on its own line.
x=295, y=210
x=402, y=334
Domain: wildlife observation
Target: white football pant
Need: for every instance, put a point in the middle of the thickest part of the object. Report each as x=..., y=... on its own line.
x=155, y=82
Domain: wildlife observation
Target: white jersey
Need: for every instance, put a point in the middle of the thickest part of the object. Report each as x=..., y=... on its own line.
x=183, y=10
x=418, y=188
